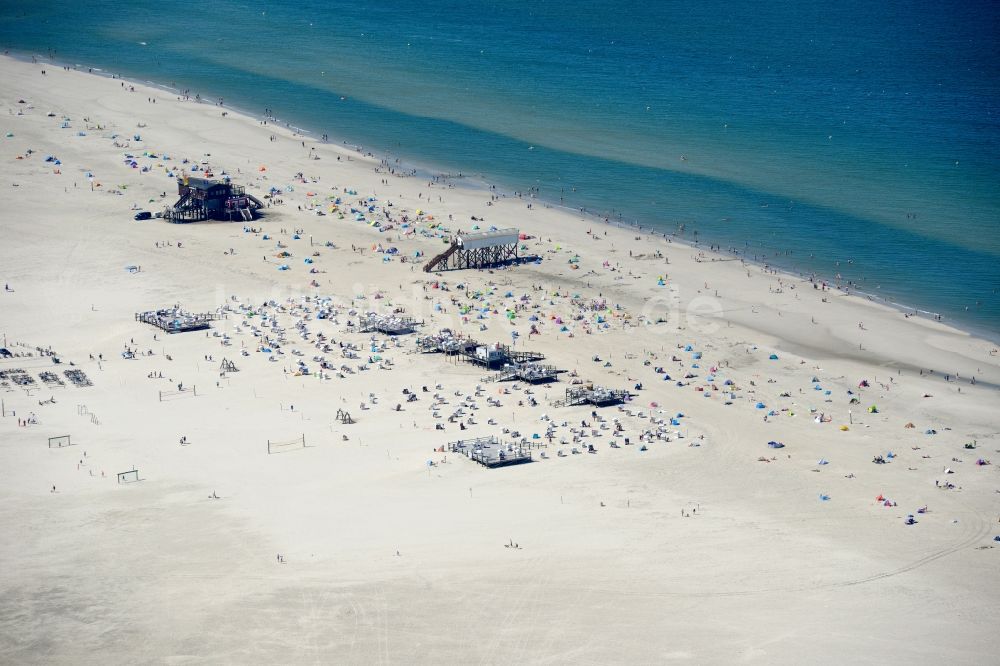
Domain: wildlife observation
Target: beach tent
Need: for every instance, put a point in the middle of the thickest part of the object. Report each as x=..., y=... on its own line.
x=773, y=357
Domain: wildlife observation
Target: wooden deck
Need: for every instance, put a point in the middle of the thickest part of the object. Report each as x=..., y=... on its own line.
x=176, y=320
x=490, y=452
x=592, y=395
x=388, y=324
x=533, y=373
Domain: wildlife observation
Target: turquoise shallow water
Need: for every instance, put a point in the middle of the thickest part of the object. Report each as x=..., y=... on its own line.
x=842, y=138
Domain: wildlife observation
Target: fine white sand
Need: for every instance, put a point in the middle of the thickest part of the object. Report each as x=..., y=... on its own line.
x=693, y=550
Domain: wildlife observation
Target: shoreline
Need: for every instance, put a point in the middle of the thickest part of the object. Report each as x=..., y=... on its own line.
x=480, y=182
x=482, y=187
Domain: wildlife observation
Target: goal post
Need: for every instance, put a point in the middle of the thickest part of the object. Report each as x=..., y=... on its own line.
x=59, y=442
x=128, y=477
x=286, y=445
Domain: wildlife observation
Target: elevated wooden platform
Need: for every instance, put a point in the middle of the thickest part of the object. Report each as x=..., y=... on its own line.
x=175, y=320
x=495, y=357
x=444, y=344
x=598, y=396
x=204, y=198
x=477, y=250
x=533, y=373
x=388, y=324
x=490, y=452
x=491, y=357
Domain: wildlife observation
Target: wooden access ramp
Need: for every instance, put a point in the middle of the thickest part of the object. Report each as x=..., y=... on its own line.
x=440, y=262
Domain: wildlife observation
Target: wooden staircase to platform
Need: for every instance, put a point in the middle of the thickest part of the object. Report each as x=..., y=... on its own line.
x=440, y=262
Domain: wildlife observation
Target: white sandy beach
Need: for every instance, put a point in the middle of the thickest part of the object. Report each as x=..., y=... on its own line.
x=712, y=547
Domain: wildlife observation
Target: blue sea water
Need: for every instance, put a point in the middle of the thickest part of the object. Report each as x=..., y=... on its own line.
x=855, y=138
